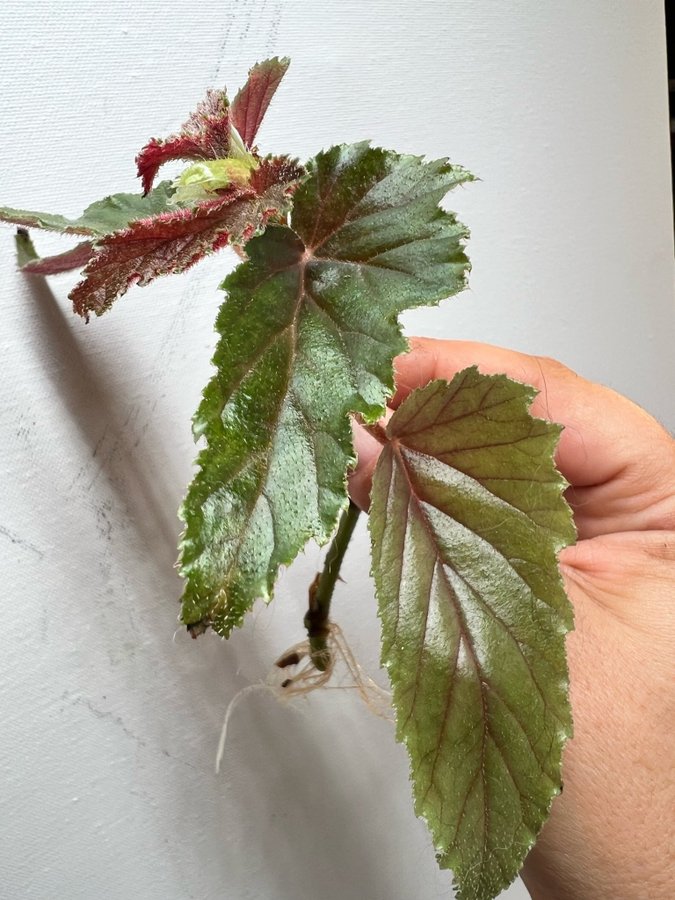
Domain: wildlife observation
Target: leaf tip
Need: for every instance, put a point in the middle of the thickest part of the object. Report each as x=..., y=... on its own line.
x=25, y=249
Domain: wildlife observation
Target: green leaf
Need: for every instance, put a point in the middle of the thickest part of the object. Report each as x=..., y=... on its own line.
x=99, y=218
x=308, y=333
x=25, y=250
x=466, y=519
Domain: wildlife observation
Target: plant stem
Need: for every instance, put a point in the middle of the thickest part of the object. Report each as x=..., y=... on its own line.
x=321, y=590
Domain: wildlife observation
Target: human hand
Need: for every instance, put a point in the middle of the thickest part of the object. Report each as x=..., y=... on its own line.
x=610, y=834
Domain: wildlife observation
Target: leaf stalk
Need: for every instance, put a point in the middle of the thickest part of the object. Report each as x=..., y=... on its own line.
x=316, y=619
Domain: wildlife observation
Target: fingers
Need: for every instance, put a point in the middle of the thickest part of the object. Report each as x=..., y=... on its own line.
x=618, y=459
x=367, y=453
x=601, y=428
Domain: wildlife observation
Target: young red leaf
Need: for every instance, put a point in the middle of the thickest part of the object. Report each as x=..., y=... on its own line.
x=170, y=242
x=275, y=170
x=205, y=135
x=74, y=258
x=174, y=241
x=250, y=104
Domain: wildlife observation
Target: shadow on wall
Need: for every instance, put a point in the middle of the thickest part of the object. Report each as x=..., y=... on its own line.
x=103, y=420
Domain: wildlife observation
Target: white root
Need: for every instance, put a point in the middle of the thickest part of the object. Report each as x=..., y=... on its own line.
x=232, y=705
x=307, y=678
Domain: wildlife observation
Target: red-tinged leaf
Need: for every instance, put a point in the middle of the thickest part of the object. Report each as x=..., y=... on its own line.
x=174, y=241
x=467, y=517
x=74, y=258
x=276, y=170
x=250, y=104
x=170, y=242
x=205, y=135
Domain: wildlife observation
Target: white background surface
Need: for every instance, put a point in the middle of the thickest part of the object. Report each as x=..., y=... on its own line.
x=109, y=727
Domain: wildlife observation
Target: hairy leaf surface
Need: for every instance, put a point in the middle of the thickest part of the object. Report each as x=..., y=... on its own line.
x=205, y=135
x=173, y=241
x=74, y=258
x=466, y=519
x=208, y=133
x=99, y=218
x=29, y=261
x=308, y=333
x=250, y=104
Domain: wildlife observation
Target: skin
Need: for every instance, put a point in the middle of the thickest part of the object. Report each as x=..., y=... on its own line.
x=611, y=833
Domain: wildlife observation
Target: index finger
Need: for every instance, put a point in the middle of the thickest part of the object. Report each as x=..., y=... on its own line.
x=618, y=460
x=603, y=431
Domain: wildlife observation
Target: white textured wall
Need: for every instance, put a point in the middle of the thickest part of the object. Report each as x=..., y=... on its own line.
x=108, y=727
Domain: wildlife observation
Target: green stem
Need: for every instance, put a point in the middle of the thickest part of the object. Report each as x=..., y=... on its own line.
x=321, y=591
